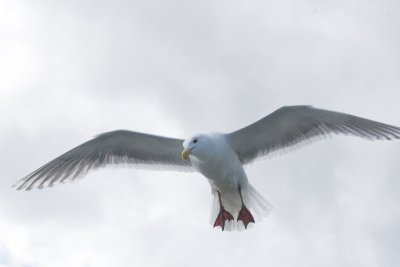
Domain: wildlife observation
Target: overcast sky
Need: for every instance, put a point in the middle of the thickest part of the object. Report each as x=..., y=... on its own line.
x=72, y=69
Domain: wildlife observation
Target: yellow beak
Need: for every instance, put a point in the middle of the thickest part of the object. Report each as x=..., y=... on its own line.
x=185, y=154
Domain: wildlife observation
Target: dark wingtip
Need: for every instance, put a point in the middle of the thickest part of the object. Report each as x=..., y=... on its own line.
x=21, y=185
x=18, y=185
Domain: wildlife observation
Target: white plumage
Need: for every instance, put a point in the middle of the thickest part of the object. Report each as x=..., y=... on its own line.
x=219, y=157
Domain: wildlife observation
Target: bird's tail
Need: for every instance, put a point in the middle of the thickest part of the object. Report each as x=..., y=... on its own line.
x=254, y=201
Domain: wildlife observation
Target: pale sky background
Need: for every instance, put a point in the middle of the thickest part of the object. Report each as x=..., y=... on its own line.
x=72, y=69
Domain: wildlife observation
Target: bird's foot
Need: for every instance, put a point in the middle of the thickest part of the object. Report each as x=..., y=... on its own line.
x=223, y=215
x=245, y=216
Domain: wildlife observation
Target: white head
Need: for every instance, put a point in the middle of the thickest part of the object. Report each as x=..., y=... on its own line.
x=199, y=146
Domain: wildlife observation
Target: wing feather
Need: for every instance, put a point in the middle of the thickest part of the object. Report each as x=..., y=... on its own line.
x=289, y=126
x=111, y=148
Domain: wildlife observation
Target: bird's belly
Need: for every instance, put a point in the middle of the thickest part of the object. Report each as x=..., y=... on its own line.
x=223, y=177
x=228, y=183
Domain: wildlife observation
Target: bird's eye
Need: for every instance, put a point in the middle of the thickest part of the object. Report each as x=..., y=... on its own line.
x=195, y=141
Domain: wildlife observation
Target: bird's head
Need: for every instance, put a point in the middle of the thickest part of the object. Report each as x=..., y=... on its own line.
x=198, y=146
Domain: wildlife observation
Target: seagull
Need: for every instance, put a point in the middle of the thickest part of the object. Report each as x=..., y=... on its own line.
x=220, y=157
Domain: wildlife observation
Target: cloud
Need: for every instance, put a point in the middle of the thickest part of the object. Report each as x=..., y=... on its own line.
x=73, y=69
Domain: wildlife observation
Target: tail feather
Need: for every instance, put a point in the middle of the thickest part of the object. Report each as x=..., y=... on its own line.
x=253, y=200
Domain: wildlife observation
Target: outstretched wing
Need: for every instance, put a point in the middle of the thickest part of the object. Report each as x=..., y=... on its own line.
x=292, y=125
x=117, y=147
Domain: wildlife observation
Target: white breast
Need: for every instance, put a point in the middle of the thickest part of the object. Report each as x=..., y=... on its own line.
x=222, y=168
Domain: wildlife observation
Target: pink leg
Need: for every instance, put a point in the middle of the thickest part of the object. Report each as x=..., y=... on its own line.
x=223, y=215
x=244, y=214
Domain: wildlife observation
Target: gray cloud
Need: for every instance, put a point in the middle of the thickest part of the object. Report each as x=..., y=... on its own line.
x=73, y=69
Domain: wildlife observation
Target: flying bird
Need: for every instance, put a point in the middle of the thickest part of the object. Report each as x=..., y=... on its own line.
x=220, y=157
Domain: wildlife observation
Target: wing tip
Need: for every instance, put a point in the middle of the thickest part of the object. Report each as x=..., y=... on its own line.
x=20, y=185
x=25, y=185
